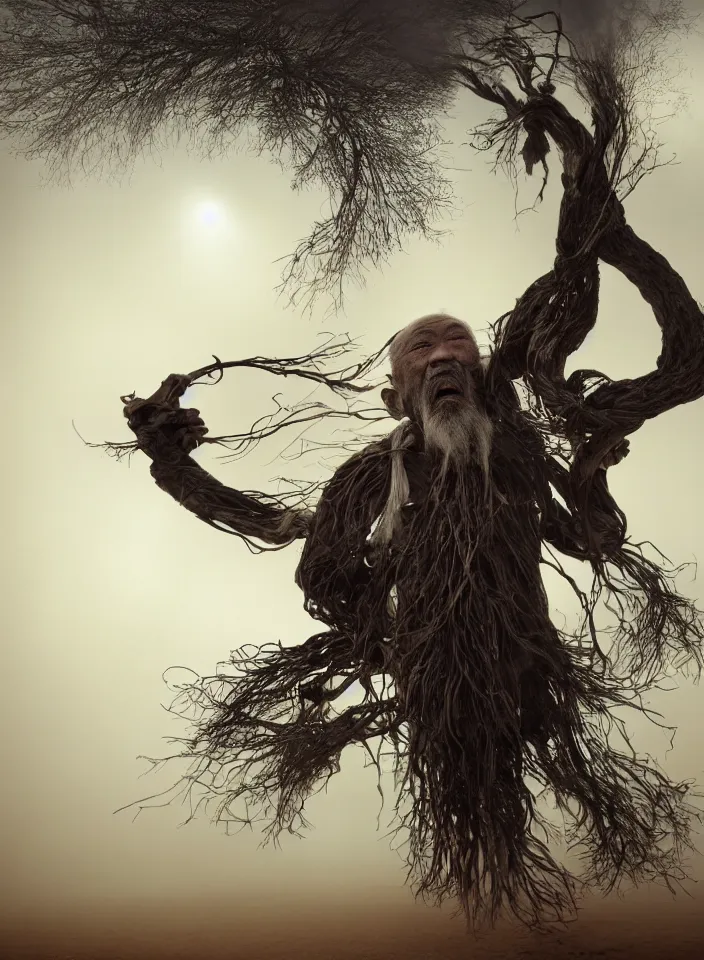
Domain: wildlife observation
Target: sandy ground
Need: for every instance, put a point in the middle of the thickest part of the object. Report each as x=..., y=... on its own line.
x=647, y=929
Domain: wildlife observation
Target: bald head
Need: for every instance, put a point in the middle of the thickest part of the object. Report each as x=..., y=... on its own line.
x=437, y=324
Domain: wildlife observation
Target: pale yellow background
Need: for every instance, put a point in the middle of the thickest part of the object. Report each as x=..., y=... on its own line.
x=106, y=288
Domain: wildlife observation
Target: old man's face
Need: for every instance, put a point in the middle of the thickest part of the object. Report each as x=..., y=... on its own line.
x=434, y=363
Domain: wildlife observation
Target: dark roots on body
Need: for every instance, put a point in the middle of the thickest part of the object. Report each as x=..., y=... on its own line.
x=266, y=736
x=479, y=710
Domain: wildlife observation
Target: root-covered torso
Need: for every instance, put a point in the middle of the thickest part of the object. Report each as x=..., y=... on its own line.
x=467, y=575
x=488, y=692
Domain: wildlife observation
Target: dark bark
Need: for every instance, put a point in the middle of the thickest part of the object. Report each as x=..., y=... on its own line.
x=253, y=517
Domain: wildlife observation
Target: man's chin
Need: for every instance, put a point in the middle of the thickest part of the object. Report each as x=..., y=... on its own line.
x=448, y=404
x=458, y=432
x=448, y=436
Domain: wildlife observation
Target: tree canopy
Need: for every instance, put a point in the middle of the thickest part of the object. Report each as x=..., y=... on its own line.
x=346, y=94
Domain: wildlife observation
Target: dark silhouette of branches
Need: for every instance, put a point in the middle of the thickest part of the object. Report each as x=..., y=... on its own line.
x=320, y=367
x=346, y=383
x=347, y=94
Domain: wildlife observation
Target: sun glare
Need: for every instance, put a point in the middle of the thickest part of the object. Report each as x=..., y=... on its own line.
x=210, y=237
x=209, y=213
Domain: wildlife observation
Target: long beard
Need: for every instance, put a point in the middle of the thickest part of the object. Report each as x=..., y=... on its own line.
x=459, y=431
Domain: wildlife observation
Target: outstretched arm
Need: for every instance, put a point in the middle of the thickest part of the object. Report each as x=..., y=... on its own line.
x=168, y=434
x=679, y=374
x=554, y=315
x=557, y=311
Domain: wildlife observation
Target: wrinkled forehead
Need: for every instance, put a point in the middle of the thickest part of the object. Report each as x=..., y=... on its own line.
x=436, y=323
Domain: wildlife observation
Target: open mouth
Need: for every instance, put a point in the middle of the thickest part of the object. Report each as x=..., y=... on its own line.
x=447, y=391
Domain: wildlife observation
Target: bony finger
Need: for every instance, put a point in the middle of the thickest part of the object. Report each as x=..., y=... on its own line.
x=173, y=387
x=160, y=418
x=132, y=406
x=192, y=440
x=144, y=414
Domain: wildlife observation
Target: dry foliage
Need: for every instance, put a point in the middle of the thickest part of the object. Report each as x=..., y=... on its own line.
x=347, y=94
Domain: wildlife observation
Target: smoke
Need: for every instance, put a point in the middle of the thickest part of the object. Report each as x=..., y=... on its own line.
x=417, y=32
x=593, y=19
x=591, y=14
x=423, y=32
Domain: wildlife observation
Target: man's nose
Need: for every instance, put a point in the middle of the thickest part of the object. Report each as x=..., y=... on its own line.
x=441, y=353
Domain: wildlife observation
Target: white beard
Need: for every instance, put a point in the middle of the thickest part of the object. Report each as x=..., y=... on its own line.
x=460, y=431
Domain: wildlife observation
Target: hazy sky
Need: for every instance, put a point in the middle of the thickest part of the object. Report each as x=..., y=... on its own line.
x=106, y=288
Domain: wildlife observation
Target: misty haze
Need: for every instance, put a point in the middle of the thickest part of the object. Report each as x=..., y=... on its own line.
x=113, y=594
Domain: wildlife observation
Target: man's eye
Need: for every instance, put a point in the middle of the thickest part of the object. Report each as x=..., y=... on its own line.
x=419, y=346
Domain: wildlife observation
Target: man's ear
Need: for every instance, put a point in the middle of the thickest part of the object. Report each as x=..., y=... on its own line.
x=392, y=401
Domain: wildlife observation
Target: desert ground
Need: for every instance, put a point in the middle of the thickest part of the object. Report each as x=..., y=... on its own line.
x=647, y=928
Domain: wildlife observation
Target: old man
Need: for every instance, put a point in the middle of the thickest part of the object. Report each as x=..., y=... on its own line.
x=422, y=560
